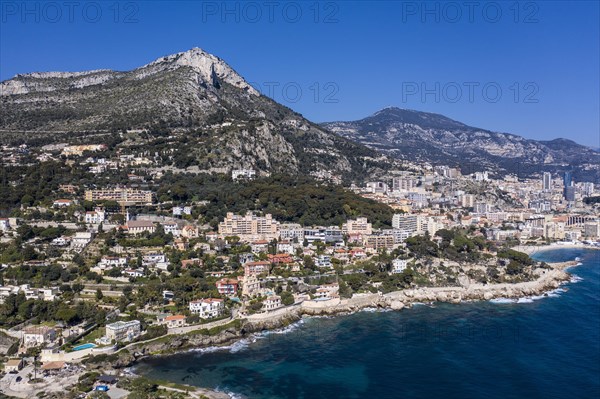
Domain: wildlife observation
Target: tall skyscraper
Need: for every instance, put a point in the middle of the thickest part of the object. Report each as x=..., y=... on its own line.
x=570, y=193
x=567, y=182
x=547, y=181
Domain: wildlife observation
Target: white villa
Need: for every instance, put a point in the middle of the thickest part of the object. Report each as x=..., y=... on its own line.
x=207, y=308
x=112, y=261
x=399, y=265
x=38, y=335
x=173, y=228
x=272, y=302
x=123, y=330
x=95, y=217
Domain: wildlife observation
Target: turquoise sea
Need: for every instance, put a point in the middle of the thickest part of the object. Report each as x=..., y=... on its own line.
x=547, y=347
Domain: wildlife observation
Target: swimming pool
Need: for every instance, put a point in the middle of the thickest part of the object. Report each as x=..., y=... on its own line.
x=83, y=346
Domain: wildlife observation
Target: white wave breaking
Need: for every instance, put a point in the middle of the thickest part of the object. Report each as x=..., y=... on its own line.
x=232, y=395
x=370, y=309
x=284, y=330
x=575, y=279
x=244, y=343
x=529, y=299
x=502, y=300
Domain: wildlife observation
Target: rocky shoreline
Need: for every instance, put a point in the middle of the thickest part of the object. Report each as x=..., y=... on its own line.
x=548, y=280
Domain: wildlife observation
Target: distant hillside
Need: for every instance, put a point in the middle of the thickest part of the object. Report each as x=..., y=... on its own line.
x=428, y=137
x=227, y=123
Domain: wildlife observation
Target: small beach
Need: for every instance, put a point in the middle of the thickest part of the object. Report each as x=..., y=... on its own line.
x=536, y=249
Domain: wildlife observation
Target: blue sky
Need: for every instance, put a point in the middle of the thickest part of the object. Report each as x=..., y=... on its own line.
x=529, y=68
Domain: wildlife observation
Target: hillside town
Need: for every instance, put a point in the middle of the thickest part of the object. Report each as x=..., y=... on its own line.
x=90, y=269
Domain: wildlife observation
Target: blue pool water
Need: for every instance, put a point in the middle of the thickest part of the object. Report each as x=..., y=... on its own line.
x=84, y=346
x=540, y=348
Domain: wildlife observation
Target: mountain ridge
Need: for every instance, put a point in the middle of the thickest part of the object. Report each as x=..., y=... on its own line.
x=224, y=122
x=428, y=137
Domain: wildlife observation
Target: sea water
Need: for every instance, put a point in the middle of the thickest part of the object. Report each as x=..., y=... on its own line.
x=540, y=347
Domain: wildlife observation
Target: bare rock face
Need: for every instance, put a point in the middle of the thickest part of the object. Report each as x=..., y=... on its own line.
x=52, y=81
x=226, y=122
x=211, y=69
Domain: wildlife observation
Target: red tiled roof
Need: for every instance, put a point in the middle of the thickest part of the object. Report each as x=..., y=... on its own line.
x=227, y=281
x=259, y=263
x=175, y=317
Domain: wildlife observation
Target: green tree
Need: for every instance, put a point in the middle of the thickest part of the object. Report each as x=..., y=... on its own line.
x=309, y=263
x=287, y=298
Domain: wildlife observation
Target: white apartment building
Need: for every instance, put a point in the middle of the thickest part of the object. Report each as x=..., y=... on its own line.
x=414, y=224
x=481, y=176
x=62, y=203
x=357, y=226
x=182, y=210
x=587, y=189
x=249, y=227
x=207, y=308
x=286, y=246
x=482, y=207
x=272, y=302
x=153, y=258
x=171, y=228
x=123, y=330
x=291, y=231
x=399, y=265
x=467, y=200
x=434, y=223
x=377, y=187
x=61, y=241
x=81, y=239
x=95, y=217
x=323, y=261
x=120, y=195
x=404, y=183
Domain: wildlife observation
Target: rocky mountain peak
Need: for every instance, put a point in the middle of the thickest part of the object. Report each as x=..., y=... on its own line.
x=208, y=66
x=193, y=107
